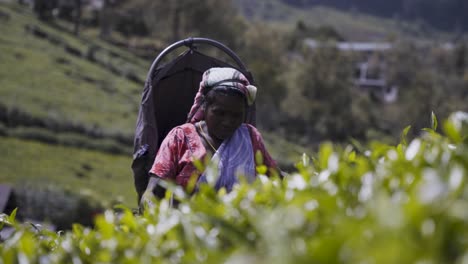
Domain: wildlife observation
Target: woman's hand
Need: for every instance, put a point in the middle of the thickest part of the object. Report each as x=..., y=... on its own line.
x=147, y=200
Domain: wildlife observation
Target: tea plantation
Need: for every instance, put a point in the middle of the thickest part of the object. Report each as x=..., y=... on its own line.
x=379, y=204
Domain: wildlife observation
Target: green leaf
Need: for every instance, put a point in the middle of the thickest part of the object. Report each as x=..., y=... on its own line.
x=357, y=145
x=352, y=156
x=12, y=216
x=259, y=157
x=325, y=152
x=452, y=132
x=433, y=121
x=404, y=135
x=305, y=160
x=262, y=169
x=121, y=207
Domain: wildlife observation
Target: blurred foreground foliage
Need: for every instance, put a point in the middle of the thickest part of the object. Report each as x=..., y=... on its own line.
x=375, y=204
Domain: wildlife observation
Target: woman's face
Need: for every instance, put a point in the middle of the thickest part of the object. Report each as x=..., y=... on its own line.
x=224, y=115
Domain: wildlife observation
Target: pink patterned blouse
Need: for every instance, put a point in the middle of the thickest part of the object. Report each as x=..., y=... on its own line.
x=182, y=146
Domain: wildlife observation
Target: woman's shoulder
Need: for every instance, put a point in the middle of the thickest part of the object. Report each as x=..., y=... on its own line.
x=184, y=127
x=180, y=136
x=187, y=127
x=252, y=129
x=182, y=130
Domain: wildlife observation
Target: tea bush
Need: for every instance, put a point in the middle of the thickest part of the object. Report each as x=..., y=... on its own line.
x=382, y=204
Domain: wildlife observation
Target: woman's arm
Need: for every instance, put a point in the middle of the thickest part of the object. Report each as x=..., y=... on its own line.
x=164, y=167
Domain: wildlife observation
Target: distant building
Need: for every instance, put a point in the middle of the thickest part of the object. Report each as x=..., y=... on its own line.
x=352, y=46
x=370, y=74
x=89, y=4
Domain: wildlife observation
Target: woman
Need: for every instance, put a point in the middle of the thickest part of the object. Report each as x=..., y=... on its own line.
x=215, y=128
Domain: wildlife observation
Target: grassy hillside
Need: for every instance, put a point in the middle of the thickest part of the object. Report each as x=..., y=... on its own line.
x=68, y=107
x=47, y=73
